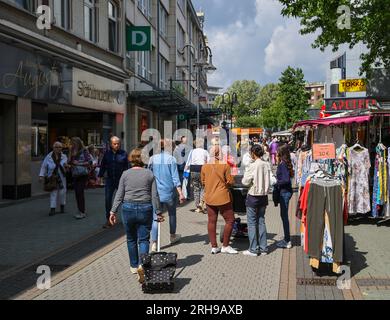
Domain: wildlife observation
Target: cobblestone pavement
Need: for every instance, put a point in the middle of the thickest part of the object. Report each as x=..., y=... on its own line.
x=27, y=233
x=200, y=275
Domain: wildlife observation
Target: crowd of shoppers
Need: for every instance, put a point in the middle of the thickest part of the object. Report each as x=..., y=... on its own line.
x=145, y=190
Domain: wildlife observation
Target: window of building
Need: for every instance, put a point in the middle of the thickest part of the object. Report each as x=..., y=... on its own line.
x=25, y=4
x=163, y=21
x=90, y=21
x=180, y=37
x=38, y=140
x=113, y=30
x=182, y=4
x=163, y=72
x=62, y=13
x=144, y=63
x=146, y=7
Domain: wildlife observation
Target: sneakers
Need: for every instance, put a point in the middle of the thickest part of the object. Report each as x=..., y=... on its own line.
x=248, y=253
x=175, y=238
x=198, y=210
x=133, y=270
x=284, y=244
x=154, y=247
x=264, y=253
x=79, y=215
x=215, y=250
x=228, y=250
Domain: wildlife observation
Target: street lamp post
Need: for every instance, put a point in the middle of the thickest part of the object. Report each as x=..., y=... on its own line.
x=233, y=99
x=200, y=65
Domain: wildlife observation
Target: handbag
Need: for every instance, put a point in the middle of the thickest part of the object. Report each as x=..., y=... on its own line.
x=79, y=171
x=50, y=183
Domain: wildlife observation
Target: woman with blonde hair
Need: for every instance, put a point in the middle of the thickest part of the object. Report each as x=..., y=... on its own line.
x=217, y=180
x=79, y=161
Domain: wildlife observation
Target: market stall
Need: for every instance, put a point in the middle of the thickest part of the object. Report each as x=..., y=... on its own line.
x=342, y=172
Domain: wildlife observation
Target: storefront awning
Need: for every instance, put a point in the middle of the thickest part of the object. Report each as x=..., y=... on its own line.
x=165, y=101
x=285, y=133
x=332, y=121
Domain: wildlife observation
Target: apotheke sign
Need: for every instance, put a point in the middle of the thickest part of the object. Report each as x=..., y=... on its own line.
x=348, y=104
x=95, y=92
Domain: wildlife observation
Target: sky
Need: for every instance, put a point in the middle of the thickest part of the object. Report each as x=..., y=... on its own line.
x=251, y=40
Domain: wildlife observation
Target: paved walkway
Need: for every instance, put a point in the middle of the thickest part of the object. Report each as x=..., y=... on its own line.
x=200, y=275
x=27, y=233
x=91, y=263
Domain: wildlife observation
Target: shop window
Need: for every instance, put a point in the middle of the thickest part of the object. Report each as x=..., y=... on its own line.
x=113, y=30
x=90, y=20
x=39, y=140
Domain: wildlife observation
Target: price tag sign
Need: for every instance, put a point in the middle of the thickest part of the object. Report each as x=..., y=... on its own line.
x=324, y=151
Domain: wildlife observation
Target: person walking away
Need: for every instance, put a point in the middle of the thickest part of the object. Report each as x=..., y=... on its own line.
x=197, y=158
x=79, y=161
x=114, y=163
x=137, y=193
x=257, y=175
x=55, y=163
x=164, y=168
x=181, y=154
x=273, y=150
x=266, y=155
x=284, y=174
x=217, y=180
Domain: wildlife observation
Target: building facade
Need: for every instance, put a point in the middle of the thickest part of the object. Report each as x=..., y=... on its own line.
x=316, y=91
x=77, y=78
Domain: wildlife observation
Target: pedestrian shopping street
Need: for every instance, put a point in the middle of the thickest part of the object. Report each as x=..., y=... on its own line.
x=89, y=262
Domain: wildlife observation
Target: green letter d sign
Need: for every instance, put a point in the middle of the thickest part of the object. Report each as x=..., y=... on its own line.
x=138, y=38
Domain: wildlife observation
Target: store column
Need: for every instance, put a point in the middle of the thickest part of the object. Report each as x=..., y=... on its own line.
x=17, y=151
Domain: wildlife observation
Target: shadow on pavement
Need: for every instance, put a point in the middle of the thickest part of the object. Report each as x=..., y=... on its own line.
x=355, y=259
x=180, y=283
x=17, y=283
x=189, y=261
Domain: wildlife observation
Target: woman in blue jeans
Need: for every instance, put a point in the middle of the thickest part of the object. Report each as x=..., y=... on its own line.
x=257, y=175
x=137, y=192
x=284, y=174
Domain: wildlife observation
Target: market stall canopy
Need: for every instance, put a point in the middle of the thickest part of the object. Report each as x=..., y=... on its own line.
x=332, y=121
x=286, y=133
x=239, y=131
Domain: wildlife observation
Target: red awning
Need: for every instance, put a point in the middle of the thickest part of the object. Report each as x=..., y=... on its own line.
x=332, y=121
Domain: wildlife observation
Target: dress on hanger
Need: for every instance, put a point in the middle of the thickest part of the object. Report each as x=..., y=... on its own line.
x=358, y=183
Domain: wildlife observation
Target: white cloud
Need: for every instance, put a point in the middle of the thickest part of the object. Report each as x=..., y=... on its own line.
x=260, y=48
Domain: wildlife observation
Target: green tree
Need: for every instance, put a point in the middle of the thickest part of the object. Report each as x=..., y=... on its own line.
x=293, y=95
x=275, y=116
x=369, y=24
x=248, y=122
x=268, y=94
x=247, y=92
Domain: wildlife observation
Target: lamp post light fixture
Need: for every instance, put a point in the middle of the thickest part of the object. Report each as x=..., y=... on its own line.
x=200, y=65
x=228, y=110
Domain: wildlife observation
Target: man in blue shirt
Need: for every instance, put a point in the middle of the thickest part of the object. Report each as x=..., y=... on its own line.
x=114, y=162
x=164, y=167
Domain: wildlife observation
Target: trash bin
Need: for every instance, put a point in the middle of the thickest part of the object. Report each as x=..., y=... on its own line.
x=239, y=193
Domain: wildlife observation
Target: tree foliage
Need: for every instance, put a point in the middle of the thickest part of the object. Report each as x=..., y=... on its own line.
x=275, y=105
x=369, y=24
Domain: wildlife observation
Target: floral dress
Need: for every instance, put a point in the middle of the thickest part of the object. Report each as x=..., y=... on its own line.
x=358, y=184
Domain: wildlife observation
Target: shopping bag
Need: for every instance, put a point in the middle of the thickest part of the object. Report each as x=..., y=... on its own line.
x=184, y=188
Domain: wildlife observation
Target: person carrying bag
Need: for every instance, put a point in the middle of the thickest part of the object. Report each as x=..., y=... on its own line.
x=53, y=176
